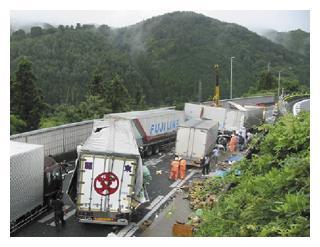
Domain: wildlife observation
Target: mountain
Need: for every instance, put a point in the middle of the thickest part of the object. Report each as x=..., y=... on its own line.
x=16, y=25
x=297, y=40
x=167, y=55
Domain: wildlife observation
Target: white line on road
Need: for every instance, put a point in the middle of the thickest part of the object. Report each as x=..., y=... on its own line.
x=130, y=229
x=154, y=202
x=50, y=216
x=153, y=162
x=66, y=217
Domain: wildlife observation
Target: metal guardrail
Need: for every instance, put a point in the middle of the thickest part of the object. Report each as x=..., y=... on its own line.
x=57, y=140
x=286, y=102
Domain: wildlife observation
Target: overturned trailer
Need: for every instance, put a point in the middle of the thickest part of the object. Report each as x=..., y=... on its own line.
x=152, y=128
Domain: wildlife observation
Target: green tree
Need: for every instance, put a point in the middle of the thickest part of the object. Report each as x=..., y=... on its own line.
x=26, y=99
x=139, y=98
x=266, y=82
x=96, y=87
x=35, y=31
x=118, y=95
x=16, y=125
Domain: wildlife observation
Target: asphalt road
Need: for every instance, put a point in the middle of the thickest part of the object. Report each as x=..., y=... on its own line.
x=160, y=194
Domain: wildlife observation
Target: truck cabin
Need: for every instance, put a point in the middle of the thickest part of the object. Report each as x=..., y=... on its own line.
x=52, y=176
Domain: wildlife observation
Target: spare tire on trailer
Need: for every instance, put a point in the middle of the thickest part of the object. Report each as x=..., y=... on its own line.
x=155, y=148
x=148, y=151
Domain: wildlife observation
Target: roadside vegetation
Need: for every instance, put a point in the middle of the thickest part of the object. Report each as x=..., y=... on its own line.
x=272, y=195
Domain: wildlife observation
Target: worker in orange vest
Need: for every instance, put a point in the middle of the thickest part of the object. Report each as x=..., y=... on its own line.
x=175, y=168
x=183, y=168
x=233, y=142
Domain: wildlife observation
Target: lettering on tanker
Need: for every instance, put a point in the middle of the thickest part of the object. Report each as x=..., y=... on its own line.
x=158, y=128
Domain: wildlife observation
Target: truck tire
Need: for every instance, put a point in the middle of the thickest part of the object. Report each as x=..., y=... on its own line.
x=148, y=151
x=155, y=148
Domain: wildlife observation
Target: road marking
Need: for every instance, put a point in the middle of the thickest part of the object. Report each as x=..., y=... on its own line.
x=50, y=216
x=154, y=202
x=130, y=229
x=153, y=162
x=173, y=185
x=69, y=214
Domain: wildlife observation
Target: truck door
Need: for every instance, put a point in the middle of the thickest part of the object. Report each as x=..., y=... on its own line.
x=199, y=143
x=182, y=141
x=106, y=183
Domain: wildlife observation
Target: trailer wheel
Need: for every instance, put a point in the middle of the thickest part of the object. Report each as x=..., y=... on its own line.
x=148, y=151
x=155, y=148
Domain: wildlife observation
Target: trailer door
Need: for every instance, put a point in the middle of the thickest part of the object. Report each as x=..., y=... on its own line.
x=106, y=183
x=182, y=141
x=199, y=143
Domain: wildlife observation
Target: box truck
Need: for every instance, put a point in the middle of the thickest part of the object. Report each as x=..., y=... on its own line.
x=107, y=185
x=195, y=139
x=152, y=128
x=34, y=181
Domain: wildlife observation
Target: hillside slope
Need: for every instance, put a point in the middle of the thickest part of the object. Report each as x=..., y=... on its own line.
x=168, y=55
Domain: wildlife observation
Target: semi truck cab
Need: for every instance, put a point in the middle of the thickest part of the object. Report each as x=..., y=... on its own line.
x=53, y=179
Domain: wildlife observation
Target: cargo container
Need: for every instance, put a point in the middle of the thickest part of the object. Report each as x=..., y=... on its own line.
x=107, y=185
x=236, y=117
x=195, y=139
x=152, y=128
x=34, y=181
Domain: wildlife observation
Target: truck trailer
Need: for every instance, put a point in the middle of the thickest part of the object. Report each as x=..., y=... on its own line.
x=107, y=185
x=196, y=138
x=152, y=128
x=34, y=181
x=236, y=117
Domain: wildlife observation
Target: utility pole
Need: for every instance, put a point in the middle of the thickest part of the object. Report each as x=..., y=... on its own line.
x=200, y=90
x=231, y=79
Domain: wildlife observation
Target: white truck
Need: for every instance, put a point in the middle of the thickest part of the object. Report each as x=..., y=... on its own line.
x=34, y=181
x=152, y=128
x=107, y=184
x=195, y=139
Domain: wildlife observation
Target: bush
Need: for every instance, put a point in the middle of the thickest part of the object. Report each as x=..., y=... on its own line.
x=272, y=196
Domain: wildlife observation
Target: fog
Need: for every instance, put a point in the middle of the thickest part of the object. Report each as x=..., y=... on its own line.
x=279, y=20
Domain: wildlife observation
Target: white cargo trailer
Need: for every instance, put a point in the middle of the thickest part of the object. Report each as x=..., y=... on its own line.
x=151, y=127
x=108, y=181
x=34, y=181
x=26, y=178
x=195, y=139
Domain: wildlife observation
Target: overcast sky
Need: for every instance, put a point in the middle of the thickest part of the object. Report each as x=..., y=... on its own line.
x=279, y=20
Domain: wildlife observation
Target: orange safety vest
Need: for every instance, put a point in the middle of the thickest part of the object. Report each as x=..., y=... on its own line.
x=183, y=165
x=175, y=165
x=233, y=140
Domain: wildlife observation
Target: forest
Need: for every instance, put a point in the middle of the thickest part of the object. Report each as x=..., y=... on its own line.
x=157, y=62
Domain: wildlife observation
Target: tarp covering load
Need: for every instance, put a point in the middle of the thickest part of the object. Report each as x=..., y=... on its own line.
x=109, y=175
x=116, y=138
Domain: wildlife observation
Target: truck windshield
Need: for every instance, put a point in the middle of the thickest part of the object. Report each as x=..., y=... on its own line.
x=56, y=174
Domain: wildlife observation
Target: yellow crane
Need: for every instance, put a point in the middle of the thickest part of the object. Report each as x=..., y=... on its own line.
x=217, y=96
